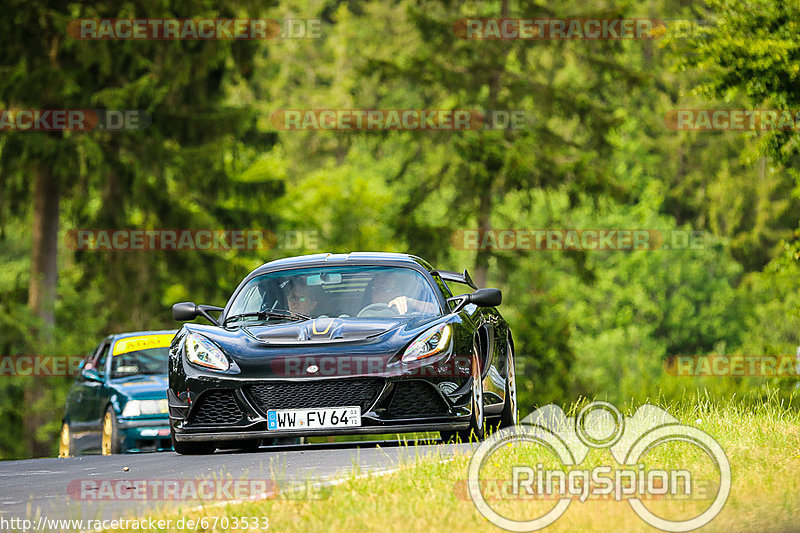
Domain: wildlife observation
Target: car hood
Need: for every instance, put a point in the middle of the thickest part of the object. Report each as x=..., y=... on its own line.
x=267, y=350
x=322, y=330
x=142, y=387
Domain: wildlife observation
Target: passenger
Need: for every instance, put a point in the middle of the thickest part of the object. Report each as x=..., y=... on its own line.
x=400, y=291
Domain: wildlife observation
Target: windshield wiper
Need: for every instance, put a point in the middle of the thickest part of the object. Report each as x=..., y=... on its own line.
x=270, y=313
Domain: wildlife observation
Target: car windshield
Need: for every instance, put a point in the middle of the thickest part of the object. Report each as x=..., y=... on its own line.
x=346, y=292
x=149, y=361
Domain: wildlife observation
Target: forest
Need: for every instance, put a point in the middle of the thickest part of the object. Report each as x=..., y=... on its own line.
x=634, y=195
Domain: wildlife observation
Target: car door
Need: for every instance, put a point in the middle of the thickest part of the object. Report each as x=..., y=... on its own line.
x=491, y=339
x=484, y=322
x=94, y=401
x=76, y=411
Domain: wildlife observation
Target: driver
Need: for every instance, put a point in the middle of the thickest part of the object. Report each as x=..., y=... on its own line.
x=391, y=288
x=299, y=299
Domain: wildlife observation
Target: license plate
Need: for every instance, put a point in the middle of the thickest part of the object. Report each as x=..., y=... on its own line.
x=331, y=417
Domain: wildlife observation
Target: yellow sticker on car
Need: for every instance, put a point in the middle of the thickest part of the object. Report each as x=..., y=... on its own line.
x=143, y=342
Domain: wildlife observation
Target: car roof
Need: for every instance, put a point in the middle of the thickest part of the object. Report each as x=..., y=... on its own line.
x=354, y=258
x=119, y=336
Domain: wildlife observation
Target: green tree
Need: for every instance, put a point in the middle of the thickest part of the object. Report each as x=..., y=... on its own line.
x=177, y=173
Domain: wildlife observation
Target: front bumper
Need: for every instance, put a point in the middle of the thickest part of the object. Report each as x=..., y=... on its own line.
x=144, y=435
x=231, y=409
x=364, y=430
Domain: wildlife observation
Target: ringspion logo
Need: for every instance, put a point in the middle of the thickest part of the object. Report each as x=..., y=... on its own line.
x=674, y=488
x=598, y=425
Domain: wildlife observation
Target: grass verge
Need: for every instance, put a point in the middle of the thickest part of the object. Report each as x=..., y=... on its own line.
x=762, y=443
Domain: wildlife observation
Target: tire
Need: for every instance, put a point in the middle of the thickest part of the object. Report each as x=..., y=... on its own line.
x=509, y=415
x=65, y=448
x=110, y=443
x=192, y=448
x=477, y=426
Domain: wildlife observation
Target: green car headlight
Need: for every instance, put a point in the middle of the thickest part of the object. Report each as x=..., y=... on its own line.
x=202, y=352
x=145, y=407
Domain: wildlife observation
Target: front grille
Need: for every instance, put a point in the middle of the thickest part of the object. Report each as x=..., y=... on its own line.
x=216, y=407
x=416, y=398
x=320, y=393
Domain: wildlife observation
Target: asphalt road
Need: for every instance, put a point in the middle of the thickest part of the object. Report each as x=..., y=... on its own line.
x=96, y=487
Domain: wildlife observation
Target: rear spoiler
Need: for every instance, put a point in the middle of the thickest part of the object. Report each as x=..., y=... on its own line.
x=447, y=275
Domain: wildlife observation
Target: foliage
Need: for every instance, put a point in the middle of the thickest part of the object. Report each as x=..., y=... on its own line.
x=594, y=152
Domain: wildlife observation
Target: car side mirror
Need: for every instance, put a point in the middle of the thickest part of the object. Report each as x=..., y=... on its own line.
x=91, y=374
x=185, y=311
x=486, y=297
x=481, y=298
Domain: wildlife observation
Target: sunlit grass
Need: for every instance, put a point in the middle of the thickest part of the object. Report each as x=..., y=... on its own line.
x=428, y=492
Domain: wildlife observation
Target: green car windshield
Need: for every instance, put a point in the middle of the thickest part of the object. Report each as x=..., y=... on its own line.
x=346, y=292
x=149, y=362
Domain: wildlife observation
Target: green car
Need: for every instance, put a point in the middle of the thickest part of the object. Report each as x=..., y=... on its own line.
x=118, y=402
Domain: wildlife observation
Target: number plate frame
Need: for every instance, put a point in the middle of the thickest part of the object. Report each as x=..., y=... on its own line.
x=319, y=418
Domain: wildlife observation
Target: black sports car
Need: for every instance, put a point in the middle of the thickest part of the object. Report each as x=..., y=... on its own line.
x=333, y=344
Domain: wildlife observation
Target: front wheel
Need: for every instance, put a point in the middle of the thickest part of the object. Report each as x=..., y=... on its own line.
x=509, y=415
x=110, y=441
x=192, y=448
x=65, y=441
x=476, y=422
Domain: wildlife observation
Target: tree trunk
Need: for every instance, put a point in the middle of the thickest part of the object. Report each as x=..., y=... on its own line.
x=485, y=205
x=484, y=224
x=44, y=265
x=42, y=294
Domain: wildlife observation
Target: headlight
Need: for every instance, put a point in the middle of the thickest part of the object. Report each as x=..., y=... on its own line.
x=145, y=407
x=433, y=341
x=203, y=352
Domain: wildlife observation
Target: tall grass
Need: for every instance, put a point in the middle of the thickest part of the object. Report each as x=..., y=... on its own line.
x=424, y=492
